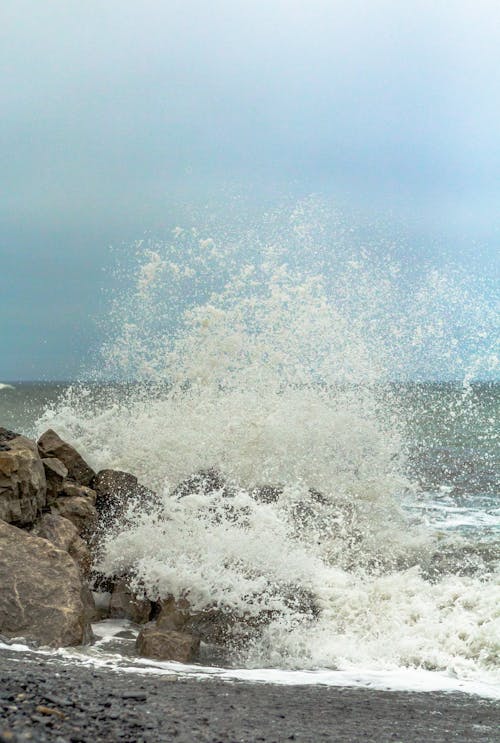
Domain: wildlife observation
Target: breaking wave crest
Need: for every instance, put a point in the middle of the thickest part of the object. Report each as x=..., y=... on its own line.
x=276, y=365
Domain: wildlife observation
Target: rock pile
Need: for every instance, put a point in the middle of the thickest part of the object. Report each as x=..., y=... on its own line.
x=46, y=516
x=53, y=507
x=52, y=504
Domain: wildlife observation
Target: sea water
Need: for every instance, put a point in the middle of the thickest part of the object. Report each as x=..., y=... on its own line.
x=354, y=391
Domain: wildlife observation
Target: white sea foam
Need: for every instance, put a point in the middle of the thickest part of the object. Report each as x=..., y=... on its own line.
x=4, y=386
x=105, y=654
x=272, y=365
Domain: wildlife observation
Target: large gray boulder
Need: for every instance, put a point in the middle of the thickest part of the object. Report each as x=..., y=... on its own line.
x=52, y=445
x=43, y=597
x=23, y=488
x=154, y=642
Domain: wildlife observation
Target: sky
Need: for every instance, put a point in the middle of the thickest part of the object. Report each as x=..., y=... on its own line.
x=119, y=118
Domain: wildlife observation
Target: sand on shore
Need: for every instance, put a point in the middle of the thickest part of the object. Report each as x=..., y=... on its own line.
x=44, y=700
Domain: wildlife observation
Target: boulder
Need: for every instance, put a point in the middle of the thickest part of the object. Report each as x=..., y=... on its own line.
x=43, y=594
x=272, y=493
x=55, y=474
x=124, y=605
x=161, y=644
x=90, y=611
x=114, y=490
x=51, y=445
x=267, y=493
x=64, y=535
x=203, y=483
x=174, y=613
x=78, y=509
x=23, y=488
x=72, y=489
x=212, y=625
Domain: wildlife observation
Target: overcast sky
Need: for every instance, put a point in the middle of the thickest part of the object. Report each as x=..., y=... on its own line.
x=115, y=113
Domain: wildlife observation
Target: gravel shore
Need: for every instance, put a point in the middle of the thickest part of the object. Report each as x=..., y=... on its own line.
x=42, y=700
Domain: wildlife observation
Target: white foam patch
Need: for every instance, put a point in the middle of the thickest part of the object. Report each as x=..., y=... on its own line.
x=396, y=679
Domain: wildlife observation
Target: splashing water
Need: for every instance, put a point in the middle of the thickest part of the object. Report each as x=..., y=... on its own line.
x=274, y=363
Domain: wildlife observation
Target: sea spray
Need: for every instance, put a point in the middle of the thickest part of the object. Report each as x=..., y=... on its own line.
x=275, y=365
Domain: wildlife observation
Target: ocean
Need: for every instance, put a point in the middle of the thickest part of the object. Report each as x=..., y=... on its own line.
x=377, y=561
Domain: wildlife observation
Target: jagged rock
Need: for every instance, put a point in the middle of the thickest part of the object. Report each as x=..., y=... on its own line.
x=55, y=474
x=23, y=488
x=212, y=625
x=114, y=490
x=90, y=612
x=272, y=493
x=64, y=535
x=267, y=493
x=161, y=644
x=74, y=489
x=42, y=595
x=202, y=482
x=174, y=613
x=124, y=605
x=51, y=445
x=78, y=509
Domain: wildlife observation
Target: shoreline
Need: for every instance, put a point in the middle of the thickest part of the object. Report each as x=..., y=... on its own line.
x=45, y=700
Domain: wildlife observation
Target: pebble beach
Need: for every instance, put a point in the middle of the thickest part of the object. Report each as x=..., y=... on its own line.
x=45, y=701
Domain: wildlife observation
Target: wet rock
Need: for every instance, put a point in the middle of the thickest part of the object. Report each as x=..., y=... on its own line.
x=51, y=445
x=114, y=490
x=162, y=644
x=41, y=596
x=174, y=614
x=64, y=535
x=71, y=488
x=212, y=625
x=90, y=612
x=79, y=509
x=267, y=493
x=272, y=493
x=6, y=436
x=23, y=488
x=202, y=483
x=55, y=474
x=124, y=605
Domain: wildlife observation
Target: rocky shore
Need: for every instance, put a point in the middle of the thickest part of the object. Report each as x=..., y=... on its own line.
x=44, y=701
x=54, y=511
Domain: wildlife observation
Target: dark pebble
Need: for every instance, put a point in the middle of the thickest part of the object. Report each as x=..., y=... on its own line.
x=138, y=696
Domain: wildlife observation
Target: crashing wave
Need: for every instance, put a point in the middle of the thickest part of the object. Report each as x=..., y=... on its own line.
x=274, y=364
